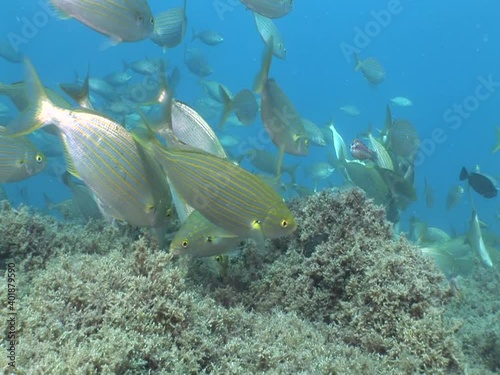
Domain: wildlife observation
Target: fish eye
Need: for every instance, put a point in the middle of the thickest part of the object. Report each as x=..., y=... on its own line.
x=38, y=158
x=184, y=243
x=218, y=258
x=210, y=239
x=284, y=223
x=152, y=21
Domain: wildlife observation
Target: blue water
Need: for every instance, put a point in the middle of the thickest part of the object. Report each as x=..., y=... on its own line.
x=435, y=53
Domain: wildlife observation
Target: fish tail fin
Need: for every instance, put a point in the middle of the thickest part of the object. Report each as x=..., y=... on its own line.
x=464, y=175
x=261, y=78
x=79, y=94
x=165, y=99
x=357, y=62
x=39, y=113
x=227, y=102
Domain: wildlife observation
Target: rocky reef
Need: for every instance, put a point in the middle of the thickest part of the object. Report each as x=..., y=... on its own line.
x=339, y=296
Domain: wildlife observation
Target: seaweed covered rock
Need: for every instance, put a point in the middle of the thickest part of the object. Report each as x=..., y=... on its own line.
x=340, y=296
x=478, y=306
x=34, y=238
x=343, y=267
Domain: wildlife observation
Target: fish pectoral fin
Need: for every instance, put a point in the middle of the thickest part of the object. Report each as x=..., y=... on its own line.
x=109, y=42
x=59, y=13
x=70, y=167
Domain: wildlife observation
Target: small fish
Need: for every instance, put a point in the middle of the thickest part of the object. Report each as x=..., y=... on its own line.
x=270, y=8
x=454, y=196
x=229, y=141
x=482, y=184
x=270, y=34
x=196, y=62
x=19, y=159
x=315, y=134
x=401, y=101
x=102, y=88
x=8, y=53
x=170, y=27
x=371, y=68
x=429, y=194
x=144, y=67
x=360, y=151
x=432, y=235
x=208, y=37
x=319, y=171
x=476, y=241
x=350, y=110
x=212, y=88
x=199, y=237
x=121, y=20
x=118, y=78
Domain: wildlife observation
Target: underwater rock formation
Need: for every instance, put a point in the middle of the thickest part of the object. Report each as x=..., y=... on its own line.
x=339, y=296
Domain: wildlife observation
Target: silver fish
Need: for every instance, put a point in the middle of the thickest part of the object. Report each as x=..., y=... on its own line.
x=270, y=8
x=121, y=20
x=270, y=34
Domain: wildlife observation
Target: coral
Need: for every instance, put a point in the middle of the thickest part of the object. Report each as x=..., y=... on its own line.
x=340, y=296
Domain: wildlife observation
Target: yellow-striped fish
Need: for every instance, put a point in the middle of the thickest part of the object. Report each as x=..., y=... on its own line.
x=383, y=159
x=226, y=194
x=19, y=159
x=170, y=27
x=127, y=184
x=199, y=237
x=121, y=20
x=270, y=8
x=270, y=34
